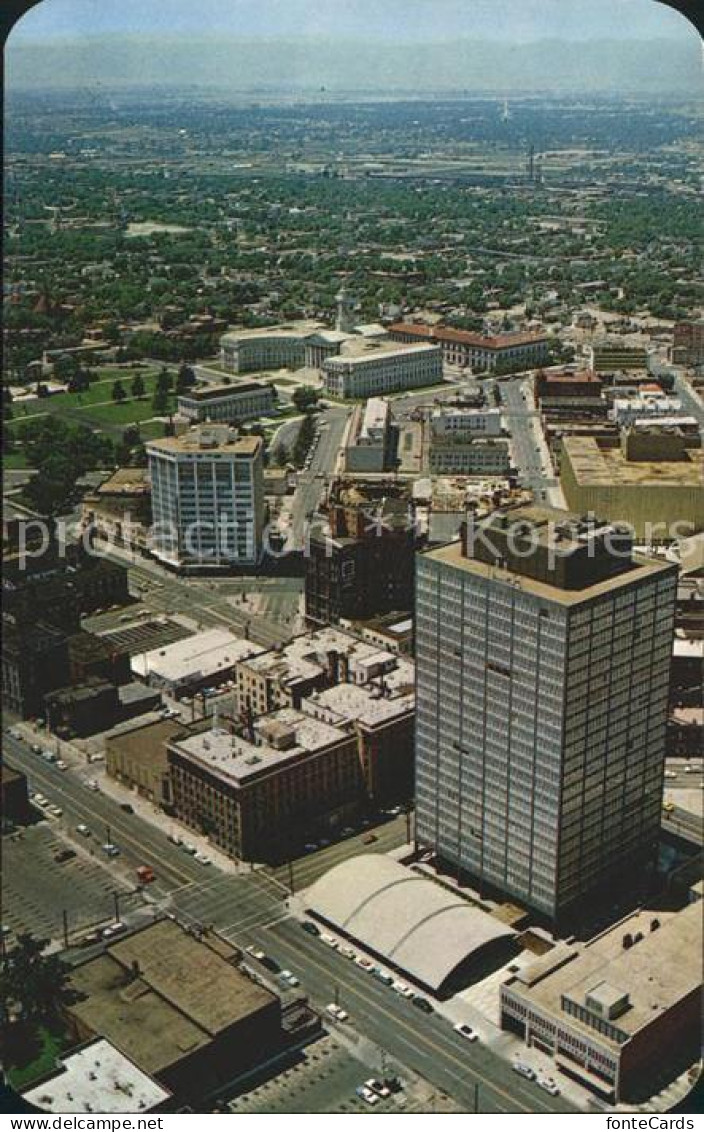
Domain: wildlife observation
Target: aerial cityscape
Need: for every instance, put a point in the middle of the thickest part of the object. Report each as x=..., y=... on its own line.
x=353, y=559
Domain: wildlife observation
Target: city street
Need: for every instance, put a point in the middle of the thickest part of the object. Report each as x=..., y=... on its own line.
x=530, y=453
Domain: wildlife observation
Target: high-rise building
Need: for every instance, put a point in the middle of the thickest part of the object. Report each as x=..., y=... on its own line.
x=207, y=498
x=543, y=658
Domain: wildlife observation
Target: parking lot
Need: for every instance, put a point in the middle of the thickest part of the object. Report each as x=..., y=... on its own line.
x=37, y=889
x=139, y=638
x=323, y=1080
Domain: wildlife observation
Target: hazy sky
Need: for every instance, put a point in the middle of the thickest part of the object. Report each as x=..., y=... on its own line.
x=410, y=21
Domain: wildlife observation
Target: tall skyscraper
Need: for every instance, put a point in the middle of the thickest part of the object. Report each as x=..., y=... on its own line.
x=543, y=658
x=207, y=498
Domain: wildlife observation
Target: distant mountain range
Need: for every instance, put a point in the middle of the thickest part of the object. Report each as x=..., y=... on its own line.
x=657, y=66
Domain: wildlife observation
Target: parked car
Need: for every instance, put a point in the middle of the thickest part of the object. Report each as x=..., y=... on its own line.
x=64, y=855
x=61, y=765
x=145, y=874
x=255, y=952
x=466, y=1031
x=383, y=976
x=423, y=1004
x=365, y=964
x=126, y=808
x=92, y=784
x=367, y=1095
x=290, y=978
x=369, y=838
x=113, y=929
x=549, y=1085
x=111, y=850
x=190, y=849
x=83, y=830
x=310, y=927
x=524, y=1070
x=329, y=939
x=56, y=811
x=202, y=859
x=378, y=1087
x=402, y=989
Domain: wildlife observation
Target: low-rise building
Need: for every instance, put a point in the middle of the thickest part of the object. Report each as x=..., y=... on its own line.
x=520, y=349
x=613, y=357
x=135, y=755
x=97, y=1077
x=229, y=403
x=259, y=794
x=120, y=509
x=619, y=1013
x=652, y=480
x=566, y=391
x=392, y=632
x=368, y=448
x=381, y=713
x=195, y=662
x=370, y=369
x=452, y=421
x=688, y=343
x=627, y=410
x=454, y=455
x=177, y=1006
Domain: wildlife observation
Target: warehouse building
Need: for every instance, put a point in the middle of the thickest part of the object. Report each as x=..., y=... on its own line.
x=193, y=663
x=411, y=924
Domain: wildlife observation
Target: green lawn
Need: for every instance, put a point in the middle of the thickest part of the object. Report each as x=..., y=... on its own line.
x=15, y=463
x=124, y=413
x=94, y=394
x=41, y=1049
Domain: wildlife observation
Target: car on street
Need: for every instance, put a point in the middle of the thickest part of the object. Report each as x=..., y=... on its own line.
x=336, y=1012
x=126, y=808
x=423, y=1004
x=113, y=929
x=61, y=765
x=524, y=1070
x=270, y=963
x=289, y=977
x=175, y=839
x=255, y=952
x=690, y=769
x=83, y=830
x=347, y=952
x=367, y=1095
x=403, y=989
x=383, y=976
x=668, y=807
x=377, y=1087
x=145, y=874
x=64, y=855
x=92, y=784
x=369, y=838
x=465, y=1031
x=55, y=811
x=188, y=848
x=364, y=964
x=202, y=859
x=35, y=749
x=310, y=927
x=41, y=801
x=329, y=939
x=670, y=774
x=111, y=850
x=549, y=1085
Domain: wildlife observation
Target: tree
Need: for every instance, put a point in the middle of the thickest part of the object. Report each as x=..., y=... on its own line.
x=164, y=381
x=118, y=392
x=305, y=398
x=65, y=367
x=33, y=984
x=138, y=386
x=281, y=455
x=186, y=378
x=160, y=401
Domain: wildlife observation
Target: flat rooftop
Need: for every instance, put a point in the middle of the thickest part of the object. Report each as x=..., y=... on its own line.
x=238, y=760
x=307, y=655
x=220, y=392
x=97, y=1078
x=356, y=350
x=203, y=440
x=451, y=555
x=656, y=973
x=125, y=481
x=298, y=329
x=350, y=703
x=440, y=333
x=593, y=465
x=201, y=655
x=186, y=992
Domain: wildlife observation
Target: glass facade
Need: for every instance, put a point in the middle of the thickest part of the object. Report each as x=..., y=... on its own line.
x=540, y=729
